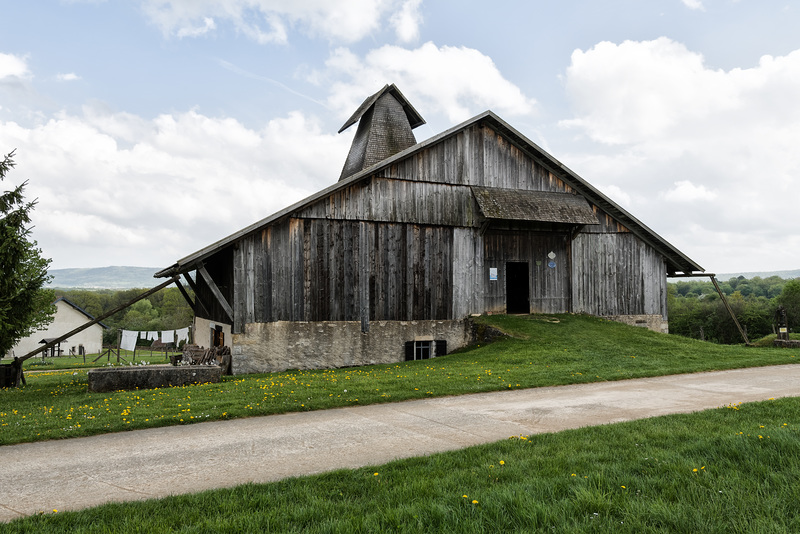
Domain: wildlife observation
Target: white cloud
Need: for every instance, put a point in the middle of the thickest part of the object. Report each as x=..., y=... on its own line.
x=407, y=20
x=184, y=180
x=636, y=90
x=269, y=21
x=694, y=4
x=12, y=66
x=68, y=77
x=208, y=25
x=619, y=195
x=686, y=191
x=690, y=144
x=459, y=82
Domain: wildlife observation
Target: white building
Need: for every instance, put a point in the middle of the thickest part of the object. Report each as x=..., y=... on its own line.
x=68, y=317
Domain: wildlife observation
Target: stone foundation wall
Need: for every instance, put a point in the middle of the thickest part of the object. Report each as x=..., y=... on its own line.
x=278, y=346
x=656, y=323
x=151, y=376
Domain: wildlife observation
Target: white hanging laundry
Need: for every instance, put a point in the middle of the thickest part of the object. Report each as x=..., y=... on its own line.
x=128, y=341
x=182, y=334
x=152, y=336
x=168, y=336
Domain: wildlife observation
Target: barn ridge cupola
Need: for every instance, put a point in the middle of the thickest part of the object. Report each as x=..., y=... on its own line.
x=385, y=123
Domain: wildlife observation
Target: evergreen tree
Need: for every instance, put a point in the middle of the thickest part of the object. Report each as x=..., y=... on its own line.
x=24, y=305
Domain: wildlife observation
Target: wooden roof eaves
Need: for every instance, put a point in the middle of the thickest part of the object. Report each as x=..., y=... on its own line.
x=679, y=261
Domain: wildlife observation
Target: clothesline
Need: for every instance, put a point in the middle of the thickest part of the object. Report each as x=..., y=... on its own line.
x=130, y=337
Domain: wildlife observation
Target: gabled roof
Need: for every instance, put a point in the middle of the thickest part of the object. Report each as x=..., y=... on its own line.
x=78, y=309
x=676, y=260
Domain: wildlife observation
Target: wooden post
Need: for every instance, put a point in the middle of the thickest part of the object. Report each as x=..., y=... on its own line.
x=730, y=310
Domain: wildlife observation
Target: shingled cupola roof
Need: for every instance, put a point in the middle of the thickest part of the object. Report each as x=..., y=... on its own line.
x=385, y=121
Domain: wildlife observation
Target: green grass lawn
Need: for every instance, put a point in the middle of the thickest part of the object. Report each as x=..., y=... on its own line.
x=729, y=470
x=87, y=362
x=544, y=351
x=732, y=469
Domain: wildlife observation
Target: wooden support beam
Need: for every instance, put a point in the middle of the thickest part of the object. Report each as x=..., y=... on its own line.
x=197, y=298
x=201, y=269
x=721, y=295
x=186, y=296
x=730, y=310
x=191, y=282
x=84, y=326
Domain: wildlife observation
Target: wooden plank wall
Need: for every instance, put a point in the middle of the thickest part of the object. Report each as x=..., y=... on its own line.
x=468, y=272
x=617, y=274
x=322, y=270
x=477, y=156
x=382, y=199
x=549, y=287
x=606, y=224
x=407, y=246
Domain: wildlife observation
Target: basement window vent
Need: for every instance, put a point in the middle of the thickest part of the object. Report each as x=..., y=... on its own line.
x=425, y=350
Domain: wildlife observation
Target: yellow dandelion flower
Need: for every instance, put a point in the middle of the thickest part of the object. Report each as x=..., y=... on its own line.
x=474, y=501
x=502, y=462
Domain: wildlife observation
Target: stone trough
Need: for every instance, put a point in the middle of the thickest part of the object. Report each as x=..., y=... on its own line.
x=151, y=376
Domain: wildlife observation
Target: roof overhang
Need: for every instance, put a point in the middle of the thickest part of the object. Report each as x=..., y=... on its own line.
x=535, y=206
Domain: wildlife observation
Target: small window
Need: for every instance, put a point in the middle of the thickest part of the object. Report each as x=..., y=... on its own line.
x=422, y=350
x=425, y=350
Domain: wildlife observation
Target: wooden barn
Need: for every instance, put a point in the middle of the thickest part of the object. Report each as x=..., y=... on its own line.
x=391, y=261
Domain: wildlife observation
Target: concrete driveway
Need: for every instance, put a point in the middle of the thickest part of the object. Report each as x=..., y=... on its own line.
x=142, y=464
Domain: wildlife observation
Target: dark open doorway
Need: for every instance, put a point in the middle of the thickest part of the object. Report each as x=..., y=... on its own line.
x=517, y=287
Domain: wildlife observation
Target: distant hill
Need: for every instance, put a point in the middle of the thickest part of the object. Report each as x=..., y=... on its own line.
x=786, y=275
x=724, y=277
x=104, y=278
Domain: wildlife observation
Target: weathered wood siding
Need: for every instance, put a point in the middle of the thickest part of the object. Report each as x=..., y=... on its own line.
x=468, y=272
x=549, y=287
x=381, y=199
x=408, y=245
x=329, y=270
x=477, y=156
x=617, y=274
x=606, y=224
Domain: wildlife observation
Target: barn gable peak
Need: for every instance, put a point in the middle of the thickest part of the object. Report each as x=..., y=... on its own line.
x=385, y=123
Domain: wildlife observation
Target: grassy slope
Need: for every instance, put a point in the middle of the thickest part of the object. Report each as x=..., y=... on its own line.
x=732, y=469
x=547, y=350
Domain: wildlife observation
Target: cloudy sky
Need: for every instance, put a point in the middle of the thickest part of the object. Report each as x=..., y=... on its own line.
x=148, y=129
